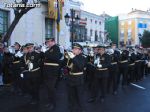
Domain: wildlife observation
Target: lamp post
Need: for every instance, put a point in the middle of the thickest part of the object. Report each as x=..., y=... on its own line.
x=72, y=20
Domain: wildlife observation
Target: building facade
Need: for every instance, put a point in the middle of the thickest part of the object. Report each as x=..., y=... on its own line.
x=132, y=26
x=94, y=27
x=35, y=25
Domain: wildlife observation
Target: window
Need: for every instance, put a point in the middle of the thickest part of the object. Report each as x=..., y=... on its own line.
x=91, y=20
x=122, y=23
x=95, y=22
x=129, y=33
x=100, y=23
x=3, y=21
x=122, y=35
x=48, y=28
x=129, y=22
x=100, y=34
x=86, y=19
x=91, y=32
x=96, y=35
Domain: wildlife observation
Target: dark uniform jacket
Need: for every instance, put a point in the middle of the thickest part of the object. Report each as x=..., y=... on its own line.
x=52, y=60
x=16, y=61
x=35, y=58
x=132, y=58
x=124, y=59
x=76, y=66
x=105, y=61
x=115, y=58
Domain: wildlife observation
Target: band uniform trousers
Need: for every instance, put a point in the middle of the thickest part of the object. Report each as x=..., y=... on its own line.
x=51, y=74
x=75, y=86
x=101, y=79
x=123, y=70
x=112, y=80
x=33, y=84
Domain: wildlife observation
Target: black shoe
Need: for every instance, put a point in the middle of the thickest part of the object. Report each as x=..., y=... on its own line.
x=34, y=102
x=115, y=93
x=102, y=100
x=91, y=100
x=50, y=107
x=83, y=111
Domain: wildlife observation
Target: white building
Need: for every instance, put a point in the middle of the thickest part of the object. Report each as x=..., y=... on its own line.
x=35, y=26
x=132, y=26
x=94, y=26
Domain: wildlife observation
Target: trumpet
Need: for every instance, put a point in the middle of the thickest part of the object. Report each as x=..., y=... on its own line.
x=69, y=55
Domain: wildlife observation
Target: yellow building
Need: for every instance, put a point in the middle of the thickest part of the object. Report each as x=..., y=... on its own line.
x=132, y=26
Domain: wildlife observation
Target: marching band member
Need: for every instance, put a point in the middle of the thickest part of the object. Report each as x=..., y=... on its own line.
x=51, y=70
x=138, y=64
x=123, y=66
x=131, y=70
x=33, y=61
x=113, y=71
x=75, y=79
x=102, y=64
x=16, y=67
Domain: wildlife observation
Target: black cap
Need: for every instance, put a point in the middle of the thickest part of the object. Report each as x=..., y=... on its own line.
x=113, y=44
x=29, y=45
x=16, y=43
x=76, y=45
x=49, y=39
x=101, y=46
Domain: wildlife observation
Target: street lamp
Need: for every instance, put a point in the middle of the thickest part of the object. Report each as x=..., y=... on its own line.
x=72, y=20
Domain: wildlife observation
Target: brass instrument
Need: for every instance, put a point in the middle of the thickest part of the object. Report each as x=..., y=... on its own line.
x=69, y=56
x=44, y=49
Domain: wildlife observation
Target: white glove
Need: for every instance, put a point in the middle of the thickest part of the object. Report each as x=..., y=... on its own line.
x=95, y=62
x=99, y=66
x=11, y=50
x=91, y=53
x=44, y=49
x=30, y=65
x=18, y=54
x=146, y=61
x=71, y=55
x=21, y=75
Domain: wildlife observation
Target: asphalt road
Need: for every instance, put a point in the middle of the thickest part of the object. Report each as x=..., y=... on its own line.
x=129, y=99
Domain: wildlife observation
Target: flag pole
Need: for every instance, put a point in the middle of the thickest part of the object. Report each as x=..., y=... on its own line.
x=58, y=21
x=58, y=36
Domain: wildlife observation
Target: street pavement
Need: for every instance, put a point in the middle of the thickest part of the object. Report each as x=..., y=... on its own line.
x=1, y=83
x=133, y=98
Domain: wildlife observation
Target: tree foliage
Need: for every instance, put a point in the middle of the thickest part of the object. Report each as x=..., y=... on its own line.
x=145, y=40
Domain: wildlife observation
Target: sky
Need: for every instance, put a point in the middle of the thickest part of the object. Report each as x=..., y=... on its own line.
x=114, y=7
